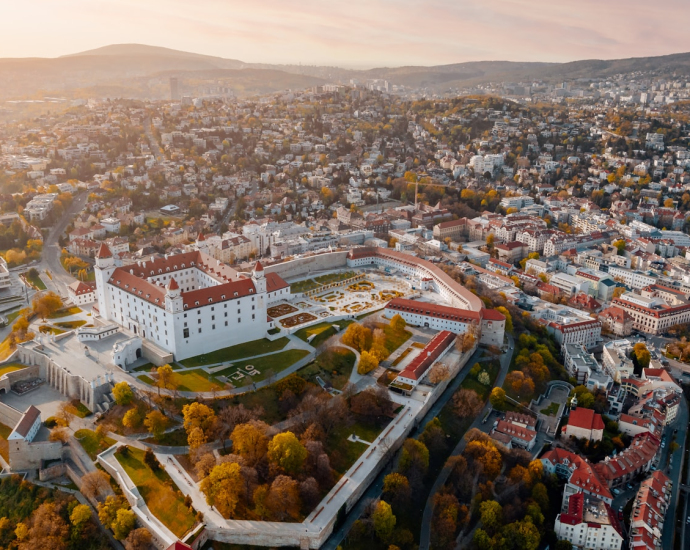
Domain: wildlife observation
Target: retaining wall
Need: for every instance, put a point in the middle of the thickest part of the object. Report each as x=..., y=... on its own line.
x=9, y=415
x=312, y=533
x=311, y=264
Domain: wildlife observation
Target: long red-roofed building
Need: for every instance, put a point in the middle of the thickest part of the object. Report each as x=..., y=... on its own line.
x=413, y=373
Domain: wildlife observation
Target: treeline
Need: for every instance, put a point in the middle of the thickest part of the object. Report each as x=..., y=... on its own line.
x=36, y=518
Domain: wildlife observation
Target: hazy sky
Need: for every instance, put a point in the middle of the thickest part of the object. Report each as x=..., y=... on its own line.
x=354, y=33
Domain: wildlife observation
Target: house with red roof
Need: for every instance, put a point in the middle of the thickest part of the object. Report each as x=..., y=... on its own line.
x=649, y=509
x=589, y=523
x=584, y=424
x=413, y=373
x=618, y=470
x=515, y=430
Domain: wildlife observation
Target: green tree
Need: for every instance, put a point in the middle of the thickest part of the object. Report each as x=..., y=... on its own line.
x=524, y=534
x=491, y=515
x=384, y=521
x=414, y=456
x=286, y=451
x=124, y=522
x=498, y=398
x=122, y=393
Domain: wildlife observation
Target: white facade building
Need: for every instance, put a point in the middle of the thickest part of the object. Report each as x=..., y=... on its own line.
x=188, y=303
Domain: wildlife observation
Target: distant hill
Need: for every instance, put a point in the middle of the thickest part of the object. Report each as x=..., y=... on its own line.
x=142, y=71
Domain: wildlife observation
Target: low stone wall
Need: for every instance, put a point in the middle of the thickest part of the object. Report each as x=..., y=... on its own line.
x=162, y=538
x=155, y=355
x=28, y=456
x=52, y=472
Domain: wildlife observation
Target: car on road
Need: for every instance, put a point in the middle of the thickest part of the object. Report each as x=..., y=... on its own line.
x=620, y=515
x=616, y=491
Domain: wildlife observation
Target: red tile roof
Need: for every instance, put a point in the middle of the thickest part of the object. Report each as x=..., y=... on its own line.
x=586, y=419
x=432, y=351
x=28, y=419
x=104, y=252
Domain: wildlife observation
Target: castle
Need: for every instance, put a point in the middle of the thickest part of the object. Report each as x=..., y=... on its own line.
x=187, y=303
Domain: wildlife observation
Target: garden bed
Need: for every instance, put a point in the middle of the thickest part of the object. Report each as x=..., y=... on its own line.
x=254, y=370
x=280, y=310
x=65, y=312
x=298, y=319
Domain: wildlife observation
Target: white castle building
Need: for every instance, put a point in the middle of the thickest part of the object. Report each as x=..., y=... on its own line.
x=187, y=304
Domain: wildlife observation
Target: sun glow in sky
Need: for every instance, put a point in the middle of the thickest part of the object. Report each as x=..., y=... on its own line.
x=353, y=33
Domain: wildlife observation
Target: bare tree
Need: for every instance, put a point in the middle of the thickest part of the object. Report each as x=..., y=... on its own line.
x=95, y=485
x=466, y=403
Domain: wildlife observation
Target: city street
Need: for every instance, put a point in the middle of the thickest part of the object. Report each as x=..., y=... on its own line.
x=51, y=248
x=425, y=535
x=376, y=487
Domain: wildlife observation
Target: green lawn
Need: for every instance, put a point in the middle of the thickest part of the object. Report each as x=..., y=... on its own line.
x=47, y=329
x=176, y=438
x=65, y=312
x=147, y=380
x=303, y=286
x=270, y=364
x=12, y=316
x=82, y=410
x=323, y=332
x=316, y=282
x=233, y=353
x=192, y=380
x=70, y=325
x=333, y=277
x=93, y=444
x=10, y=367
x=145, y=368
x=469, y=383
x=345, y=453
x=551, y=410
x=161, y=495
x=333, y=366
x=35, y=281
x=394, y=339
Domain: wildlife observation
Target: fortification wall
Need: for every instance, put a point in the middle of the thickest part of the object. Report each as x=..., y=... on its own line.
x=303, y=266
